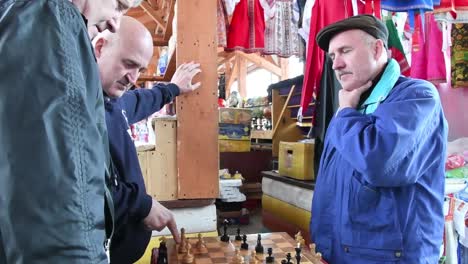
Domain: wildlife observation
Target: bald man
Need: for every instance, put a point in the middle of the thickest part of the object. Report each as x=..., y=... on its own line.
x=121, y=58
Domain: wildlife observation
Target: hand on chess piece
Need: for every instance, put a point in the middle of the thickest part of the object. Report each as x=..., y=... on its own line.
x=159, y=217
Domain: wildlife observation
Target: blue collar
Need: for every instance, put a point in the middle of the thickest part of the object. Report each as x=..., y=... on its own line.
x=382, y=88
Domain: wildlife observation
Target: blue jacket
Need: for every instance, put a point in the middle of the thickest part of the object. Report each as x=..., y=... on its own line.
x=131, y=202
x=380, y=187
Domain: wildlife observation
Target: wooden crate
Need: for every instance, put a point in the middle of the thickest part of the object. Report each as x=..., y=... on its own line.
x=143, y=160
x=162, y=182
x=296, y=160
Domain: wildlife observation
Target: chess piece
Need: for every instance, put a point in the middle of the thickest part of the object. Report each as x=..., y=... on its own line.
x=154, y=256
x=182, y=236
x=253, y=258
x=162, y=254
x=183, y=246
x=299, y=239
x=298, y=255
x=288, y=258
x=201, y=247
x=237, y=259
x=238, y=236
x=316, y=257
x=270, y=258
x=259, y=247
x=225, y=237
x=244, y=244
x=188, y=257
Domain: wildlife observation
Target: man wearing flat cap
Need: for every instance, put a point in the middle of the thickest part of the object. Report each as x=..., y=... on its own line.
x=380, y=186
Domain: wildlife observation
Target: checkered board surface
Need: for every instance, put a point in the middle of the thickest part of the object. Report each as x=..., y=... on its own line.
x=223, y=252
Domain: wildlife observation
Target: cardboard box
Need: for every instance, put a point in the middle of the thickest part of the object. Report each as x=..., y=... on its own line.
x=296, y=160
x=235, y=116
x=234, y=131
x=234, y=145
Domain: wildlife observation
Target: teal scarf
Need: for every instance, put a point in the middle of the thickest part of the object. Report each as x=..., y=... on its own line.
x=383, y=88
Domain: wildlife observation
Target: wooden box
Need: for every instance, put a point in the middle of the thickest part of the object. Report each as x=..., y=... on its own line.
x=235, y=116
x=234, y=131
x=234, y=145
x=296, y=160
x=162, y=180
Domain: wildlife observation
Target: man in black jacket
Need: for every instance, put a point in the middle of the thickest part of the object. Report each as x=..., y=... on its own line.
x=121, y=58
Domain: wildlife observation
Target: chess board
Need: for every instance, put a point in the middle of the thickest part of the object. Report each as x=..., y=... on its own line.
x=223, y=252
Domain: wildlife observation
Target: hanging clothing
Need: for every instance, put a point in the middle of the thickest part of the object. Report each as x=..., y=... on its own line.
x=407, y=5
x=281, y=36
x=411, y=6
x=396, y=48
x=380, y=175
x=452, y=6
x=459, y=55
x=247, y=28
x=428, y=59
x=222, y=24
x=326, y=106
x=324, y=12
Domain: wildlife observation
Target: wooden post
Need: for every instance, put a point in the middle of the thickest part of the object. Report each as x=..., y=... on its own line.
x=242, y=76
x=197, y=112
x=284, y=68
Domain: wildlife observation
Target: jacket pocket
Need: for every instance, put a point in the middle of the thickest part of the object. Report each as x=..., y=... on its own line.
x=370, y=225
x=359, y=255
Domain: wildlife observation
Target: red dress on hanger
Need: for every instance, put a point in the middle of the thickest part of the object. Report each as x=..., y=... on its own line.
x=247, y=28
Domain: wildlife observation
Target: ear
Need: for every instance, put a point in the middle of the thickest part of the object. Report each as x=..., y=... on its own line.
x=378, y=49
x=100, y=43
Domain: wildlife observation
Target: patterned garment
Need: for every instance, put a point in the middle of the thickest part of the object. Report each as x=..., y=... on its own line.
x=394, y=44
x=281, y=36
x=223, y=23
x=247, y=29
x=459, y=55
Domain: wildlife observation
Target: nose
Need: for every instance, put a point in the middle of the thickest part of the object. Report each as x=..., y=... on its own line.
x=338, y=63
x=113, y=24
x=132, y=76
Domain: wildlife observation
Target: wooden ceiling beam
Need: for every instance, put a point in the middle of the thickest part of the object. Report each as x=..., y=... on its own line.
x=157, y=16
x=261, y=62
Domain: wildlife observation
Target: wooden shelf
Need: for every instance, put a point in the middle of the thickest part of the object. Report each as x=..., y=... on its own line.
x=261, y=134
x=294, y=94
x=303, y=118
x=296, y=106
x=304, y=124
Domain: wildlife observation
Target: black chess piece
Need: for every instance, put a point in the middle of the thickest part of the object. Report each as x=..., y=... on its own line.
x=238, y=236
x=162, y=254
x=259, y=247
x=244, y=244
x=288, y=258
x=225, y=237
x=284, y=261
x=298, y=255
x=270, y=258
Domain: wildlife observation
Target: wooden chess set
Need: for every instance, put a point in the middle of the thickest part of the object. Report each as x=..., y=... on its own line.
x=252, y=248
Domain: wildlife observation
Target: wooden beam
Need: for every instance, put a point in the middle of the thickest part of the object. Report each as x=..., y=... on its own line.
x=261, y=62
x=168, y=29
x=284, y=68
x=157, y=16
x=242, y=76
x=197, y=112
x=231, y=78
x=159, y=42
x=227, y=58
